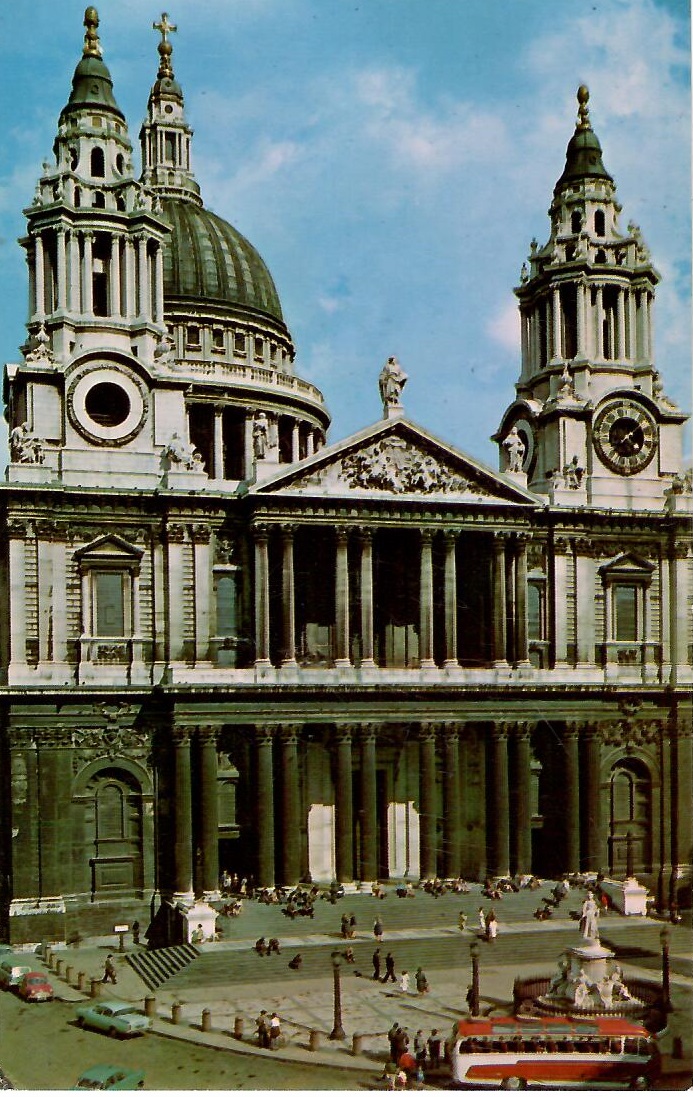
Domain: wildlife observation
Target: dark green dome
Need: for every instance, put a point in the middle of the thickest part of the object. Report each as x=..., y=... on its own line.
x=583, y=158
x=206, y=258
x=92, y=89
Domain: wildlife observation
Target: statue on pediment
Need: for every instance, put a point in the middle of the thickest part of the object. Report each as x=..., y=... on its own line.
x=391, y=381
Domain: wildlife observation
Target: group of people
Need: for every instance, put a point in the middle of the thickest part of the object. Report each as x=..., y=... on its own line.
x=488, y=924
x=408, y=1062
x=348, y=925
x=269, y=1030
x=420, y=980
x=266, y=948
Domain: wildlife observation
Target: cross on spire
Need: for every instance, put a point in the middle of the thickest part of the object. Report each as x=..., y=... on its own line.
x=165, y=48
x=164, y=27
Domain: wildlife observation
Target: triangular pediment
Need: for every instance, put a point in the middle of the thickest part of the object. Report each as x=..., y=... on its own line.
x=109, y=547
x=627, y=564
x=394, y=459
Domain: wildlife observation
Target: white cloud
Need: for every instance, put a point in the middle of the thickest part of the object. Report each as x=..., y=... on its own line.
x=503, y=326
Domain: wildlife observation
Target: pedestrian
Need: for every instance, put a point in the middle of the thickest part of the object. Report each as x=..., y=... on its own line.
x=261, y=947
x=391, y=1035
x=296, y=962
x=389, y=1074
x=376, y=964
x=109, y=971
x=404, y=982
x=462, y=920
x=420, y=1047
x=482, y=921
x=135, y=932
x=434, y=1042
x=389, y=968
x=378, y=930
x=273, y=946
x=262, y=1026
x=421, y=981
x=352, y=925
x=470, y=997
x=344, y=926
x=491, y=926
x=275, y=1032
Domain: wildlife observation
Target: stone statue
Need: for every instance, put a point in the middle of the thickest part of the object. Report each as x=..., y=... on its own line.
x=25, y=448
x=606, y=991
x=164, y=351
x=392, y=380
x=260, y=432
x=41, y=347
x=582, y=989
x=573, y=473
x=515, y=449
x=590, y=918
x=179, y=452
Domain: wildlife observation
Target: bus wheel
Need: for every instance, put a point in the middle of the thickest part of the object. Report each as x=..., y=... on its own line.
x=641, y=1082
x=513, y=1083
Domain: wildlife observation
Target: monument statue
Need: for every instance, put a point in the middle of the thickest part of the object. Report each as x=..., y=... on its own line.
x=260, y=432
x=391, y=381
x=589, y=921
x=25, y=448
x=515, y=449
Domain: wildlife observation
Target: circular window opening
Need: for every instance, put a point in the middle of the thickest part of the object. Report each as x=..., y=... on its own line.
x=107, y=404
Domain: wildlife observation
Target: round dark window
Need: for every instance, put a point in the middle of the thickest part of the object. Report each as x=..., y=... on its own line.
x=107, y=404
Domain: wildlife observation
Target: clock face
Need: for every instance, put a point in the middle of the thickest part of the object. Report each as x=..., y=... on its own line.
x=625, y=436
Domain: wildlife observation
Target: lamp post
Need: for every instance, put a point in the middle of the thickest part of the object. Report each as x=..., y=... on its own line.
x=338, y=1032
x=474, y=1003
x=666, y=987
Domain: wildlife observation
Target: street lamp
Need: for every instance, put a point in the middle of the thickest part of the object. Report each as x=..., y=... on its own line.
x=474, y=1002
x=338, y=1032
x=666, y=987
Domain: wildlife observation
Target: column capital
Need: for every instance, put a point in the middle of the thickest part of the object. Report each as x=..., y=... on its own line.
x=367, y=734
x=264, y=735
x=571, y=730
x=342, y=534
x=523, y=730
x=87, y=235
x=500, y=538
x=522, y=538
x=426, y=536
x=180, y=736
x=201, y=534
x=585, y=546
x=207, y=734
x=428, y=732
x=260, y=531
x=681, y=549
x=502, y=729
x=288, y=734
x=365, y=535
x=451, y=729
x=287, y=531
x=561, y=546
x=345, y=733
x=450, y=537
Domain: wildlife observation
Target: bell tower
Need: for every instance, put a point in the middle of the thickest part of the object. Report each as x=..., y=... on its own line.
x=590, y=423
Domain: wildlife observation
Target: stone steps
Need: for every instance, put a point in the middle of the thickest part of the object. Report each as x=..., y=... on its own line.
x=162, y=964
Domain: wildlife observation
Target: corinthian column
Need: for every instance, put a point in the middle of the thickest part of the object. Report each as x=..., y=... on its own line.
x=429, y=813
x=426, y=601
x=522, y=831
x=209, y=812
x=342, y=599
x=182, y=805
x=450, y=599
x=593, y=799
x=451, y=793
x=369, y=818
x=500, y=790
x=572, y=797
x=262, y=600
x=500, y=625
x=344, y=810
x=291, y=803
x=366, y=540
x=265, y=807
x=288, y=597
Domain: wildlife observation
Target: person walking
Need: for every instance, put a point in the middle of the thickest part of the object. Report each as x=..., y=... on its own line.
x=389, y=969
x=376, y=964
x=378, y=930
x=109, y=971
x=404, y=982
x=482, y=920
x=434, y=1043
x=391, y=1035
x=352, y=925
x=421, y=981
x=262, y=1027
x=420, y=1048
x=491, y=926
x=344, y=925
x=275, y=1032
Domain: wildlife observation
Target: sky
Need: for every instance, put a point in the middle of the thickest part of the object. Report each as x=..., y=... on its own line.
x=391, y=161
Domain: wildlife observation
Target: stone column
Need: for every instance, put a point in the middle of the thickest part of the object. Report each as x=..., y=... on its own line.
x=202, y=562
x=559, y=608
x=310, y=444
x=599, y=325
x=209, y=812
x=649, y=328
x=500, y=792
x=144, y=306
x=678, y=611
x=59, y=602
x=428, y=802
x=219, y=441
x=584, y=602
x=582, y=347
x=344, y=808
x=114, y=280
x=295, y=441
x=39, y=277
x=500, y=640
x=265, y=807
x=288, y=597
x=176, y=548
x=17, y=582
x=61, y=244
x=130, y=280
x=426, y=601
x=524, y=342
x=572, y=797
x=593, y=800
x=557, y=349
x=451, y=798
x=682, y=830
x=182, y=819
x=366, y=542
x=290, y=791
x=54, y=779
x=522, y=830
x=262, y=602
x=632, y=325
x=369, y=815
x=521, y=647
x=342, y=658
x=88, y=274
x=451, y=659
x=74, y=302
x=621, y=353
x=159, y=284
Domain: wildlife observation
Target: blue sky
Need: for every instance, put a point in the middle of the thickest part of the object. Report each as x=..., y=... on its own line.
x=391, y=160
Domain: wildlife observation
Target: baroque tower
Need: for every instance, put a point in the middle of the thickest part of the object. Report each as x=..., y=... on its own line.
x=590, y=423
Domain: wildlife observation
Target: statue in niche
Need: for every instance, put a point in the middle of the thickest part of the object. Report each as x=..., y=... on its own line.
x=260, y=435
x=515, y=449
x=25, y=447
x=180, y=452
x=391, y=381
x=573, y=473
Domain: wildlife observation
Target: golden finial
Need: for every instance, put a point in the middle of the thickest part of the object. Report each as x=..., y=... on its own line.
x=92, y=46
x=165, y=48
x=583, y=97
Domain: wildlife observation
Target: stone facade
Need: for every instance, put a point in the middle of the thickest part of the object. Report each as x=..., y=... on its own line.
x=231, y=646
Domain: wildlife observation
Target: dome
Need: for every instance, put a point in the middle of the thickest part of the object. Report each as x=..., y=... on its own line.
x=207, y=258
x=583, y=158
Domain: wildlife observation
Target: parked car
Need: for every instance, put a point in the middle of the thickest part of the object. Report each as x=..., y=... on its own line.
x=12, y=971
x=34, y=987
x=110, y=1077
x=114, y=1018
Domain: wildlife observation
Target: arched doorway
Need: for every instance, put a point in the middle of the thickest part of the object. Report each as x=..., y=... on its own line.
x=113, y=819
x=630, y=813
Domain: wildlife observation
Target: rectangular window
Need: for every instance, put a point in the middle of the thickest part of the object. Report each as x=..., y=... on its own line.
x=226, y=605
x=169, y=148
x=625, y=613
x=239, y=342
x=535, y=612
x=109, y=597
x=259, y=349
x=218, y=338
x=193, y=335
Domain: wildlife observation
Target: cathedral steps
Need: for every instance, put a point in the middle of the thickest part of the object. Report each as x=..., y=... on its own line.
x=158, y=966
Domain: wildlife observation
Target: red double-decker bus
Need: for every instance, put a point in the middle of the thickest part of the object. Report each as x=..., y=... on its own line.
x=555, y=1052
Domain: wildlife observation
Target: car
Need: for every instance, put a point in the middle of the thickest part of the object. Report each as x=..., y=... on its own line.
x=114, y=1018
x=12, y=971
x=110, y=1077
x=34, y=987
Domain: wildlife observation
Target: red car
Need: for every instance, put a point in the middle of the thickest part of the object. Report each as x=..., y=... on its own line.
x=34, y=987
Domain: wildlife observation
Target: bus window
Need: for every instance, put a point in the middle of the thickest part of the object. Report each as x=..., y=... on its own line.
x=631, y=1047
x=615, y=1045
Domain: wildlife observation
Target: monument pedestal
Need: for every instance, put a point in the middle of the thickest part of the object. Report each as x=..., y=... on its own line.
x=626, y=896
x=201, y=921
x=589, y=982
